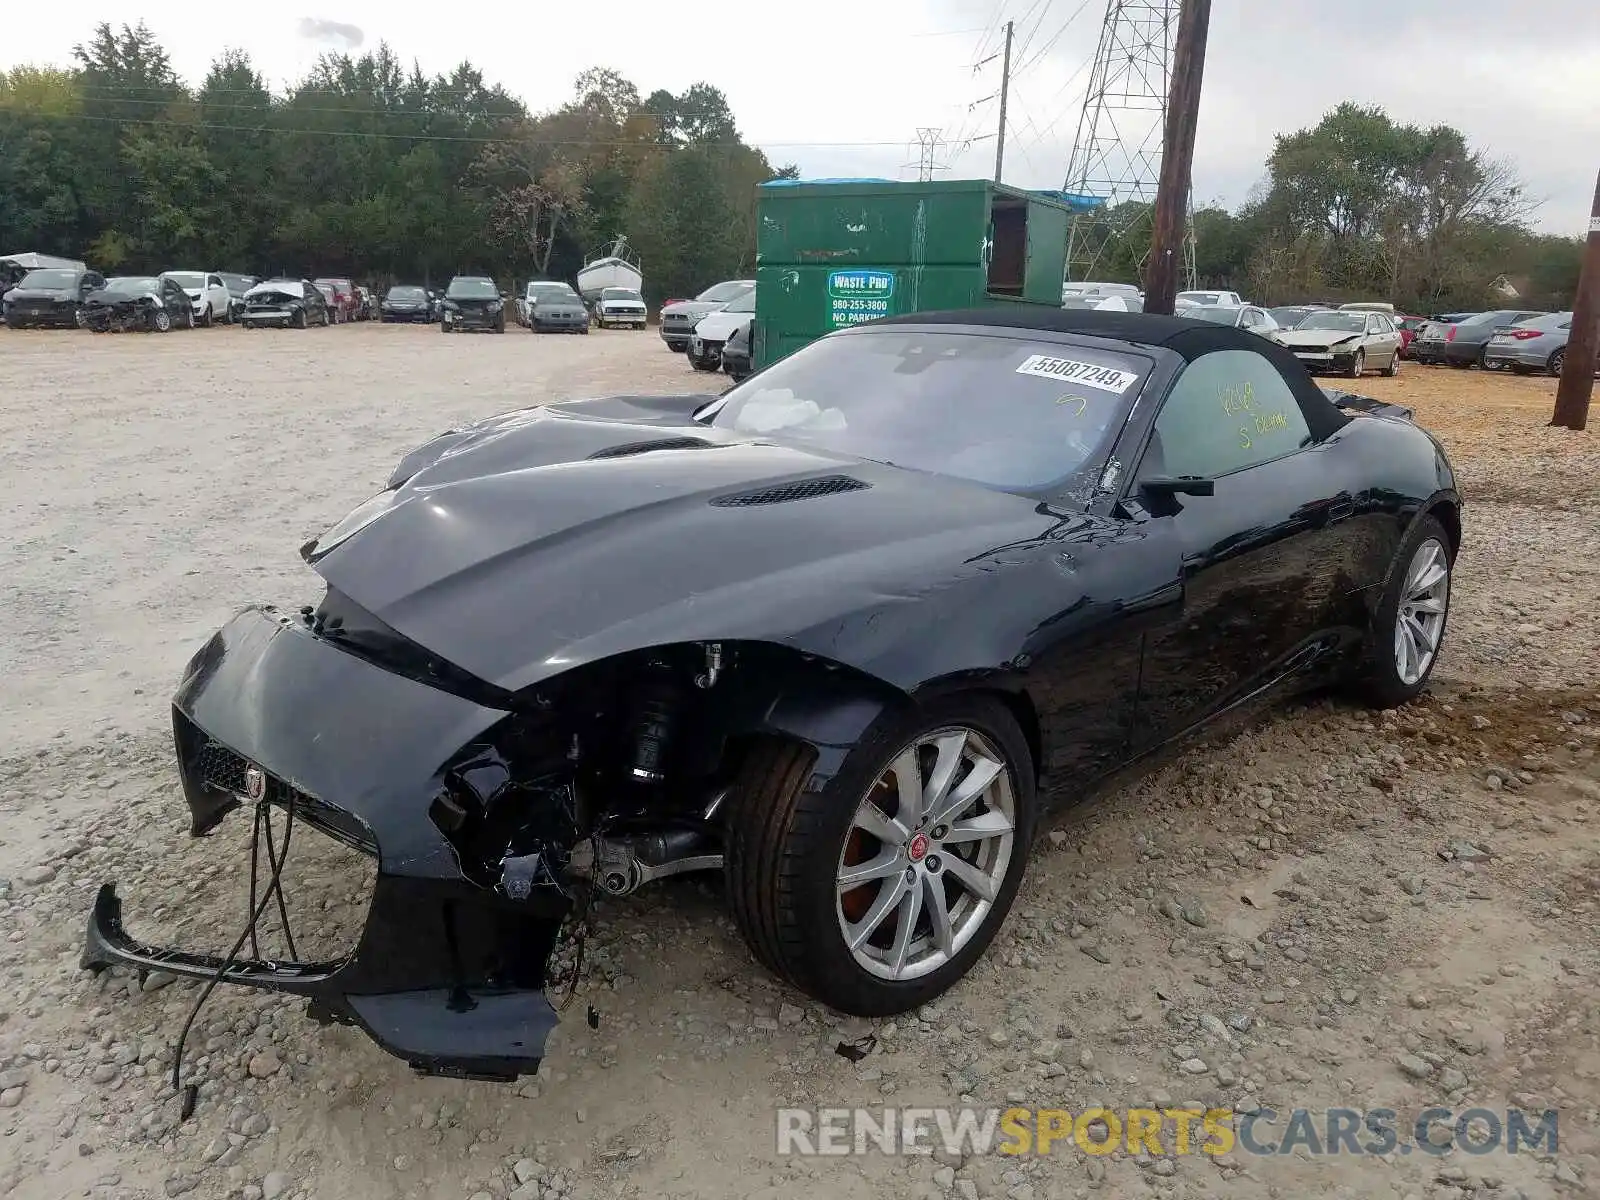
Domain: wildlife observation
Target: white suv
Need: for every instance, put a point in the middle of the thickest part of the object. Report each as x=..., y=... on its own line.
x=207, y=292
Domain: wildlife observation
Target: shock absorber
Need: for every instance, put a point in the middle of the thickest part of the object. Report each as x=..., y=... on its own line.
x=655, y=712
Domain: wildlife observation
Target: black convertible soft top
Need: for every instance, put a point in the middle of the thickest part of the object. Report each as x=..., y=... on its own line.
x=1182, y=335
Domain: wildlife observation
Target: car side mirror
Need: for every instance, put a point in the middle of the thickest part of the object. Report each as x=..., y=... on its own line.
x=1178, y=485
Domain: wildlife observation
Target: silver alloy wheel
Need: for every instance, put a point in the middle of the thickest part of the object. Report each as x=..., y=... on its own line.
x=922, y=874
x=1419, y=620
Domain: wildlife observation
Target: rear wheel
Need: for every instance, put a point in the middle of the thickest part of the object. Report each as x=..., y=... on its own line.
x=880, y=889
x=1408, y=628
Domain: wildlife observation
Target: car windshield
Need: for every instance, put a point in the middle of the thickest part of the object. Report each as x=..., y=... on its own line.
x=472, y=289
x=49, y=278
x=721, y=293
x=1346, y=322
x=1220, y=314
x=1201, y=297
x=133, y=283
x=743, y=303
x=407, y=293
x=187, y=279
x=549, y=291
x=1004, y=411
x=618, y=294
x=238, y=283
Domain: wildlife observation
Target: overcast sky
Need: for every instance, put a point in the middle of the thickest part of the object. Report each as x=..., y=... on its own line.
x=841, y=86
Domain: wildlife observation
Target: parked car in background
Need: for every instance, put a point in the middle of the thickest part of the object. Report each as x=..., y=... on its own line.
x=50, y=296
x=286, y=303
x=736, y=351
x=1349, y=341
x=1461, y=343
x=472, y=302
x=1289, y=315
x=14, y=266
x=1226, y=299
x=678, y=317
x=128, y=302
x=406, y=302
x=714, y=329
x=207, y=294
x=1092, y=290
x=616, y=306
x=1382, y=306
x=1250, y=317
x=1408, y=325
x=342, y=299
x=1536, y=344
x=237, y=286
x=555, y=306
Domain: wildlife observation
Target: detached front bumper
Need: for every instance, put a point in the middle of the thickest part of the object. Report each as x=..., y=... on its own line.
x=449, y=972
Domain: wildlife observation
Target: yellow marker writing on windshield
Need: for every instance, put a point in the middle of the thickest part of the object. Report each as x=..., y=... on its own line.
x=1078, y=400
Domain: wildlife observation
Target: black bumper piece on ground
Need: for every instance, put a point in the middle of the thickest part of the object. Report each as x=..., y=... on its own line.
x=449, y=972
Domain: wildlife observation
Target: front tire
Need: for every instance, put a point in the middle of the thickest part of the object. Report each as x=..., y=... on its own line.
x=878, y=890
x=1557, y=360
x=1358, y=364
x=205, y=321
x=161, y=321
x=1409, y=626
x=1393, y=368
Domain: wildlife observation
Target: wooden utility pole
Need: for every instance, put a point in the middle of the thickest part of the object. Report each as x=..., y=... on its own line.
x=1005, y=91
x=1177, y=158
x=1576, y=388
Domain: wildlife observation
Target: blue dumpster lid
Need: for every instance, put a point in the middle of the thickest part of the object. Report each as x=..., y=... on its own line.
x=1071, y=199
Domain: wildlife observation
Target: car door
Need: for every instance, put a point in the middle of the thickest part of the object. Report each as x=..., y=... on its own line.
x=1383, y=340
x=1260, y=561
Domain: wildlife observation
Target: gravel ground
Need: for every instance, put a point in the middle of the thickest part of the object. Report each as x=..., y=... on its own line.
x=1328, y=909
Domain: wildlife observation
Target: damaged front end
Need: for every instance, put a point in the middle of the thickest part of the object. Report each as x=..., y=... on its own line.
x=492, y=817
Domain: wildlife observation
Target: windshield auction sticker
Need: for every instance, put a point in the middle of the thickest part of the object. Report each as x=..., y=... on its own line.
x=1066, y=370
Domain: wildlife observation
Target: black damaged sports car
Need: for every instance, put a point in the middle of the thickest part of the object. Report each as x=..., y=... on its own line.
x=846, y=632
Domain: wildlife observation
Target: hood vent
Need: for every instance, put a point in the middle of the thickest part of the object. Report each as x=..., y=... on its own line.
x=677, y=443
x=805, y=489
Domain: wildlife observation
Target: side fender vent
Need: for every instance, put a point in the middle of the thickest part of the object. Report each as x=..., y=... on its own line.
x=805, y=489
x=677, y=443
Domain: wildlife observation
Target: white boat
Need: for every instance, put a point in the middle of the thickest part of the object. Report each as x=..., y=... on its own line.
x=617, y=267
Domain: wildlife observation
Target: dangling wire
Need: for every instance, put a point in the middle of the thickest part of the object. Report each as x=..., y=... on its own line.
x=263, y=817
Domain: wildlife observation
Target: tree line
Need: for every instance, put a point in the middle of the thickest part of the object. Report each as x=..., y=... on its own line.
x=369, y=169
x=1361, y=207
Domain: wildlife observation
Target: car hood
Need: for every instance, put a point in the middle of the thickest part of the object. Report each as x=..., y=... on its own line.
x=719, y=325
x=41, y=294
x=1315, y=337
x=693, y=309
x=557, y=536
x=120, y=295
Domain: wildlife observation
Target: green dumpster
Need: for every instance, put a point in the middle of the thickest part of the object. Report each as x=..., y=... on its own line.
x=831, y=253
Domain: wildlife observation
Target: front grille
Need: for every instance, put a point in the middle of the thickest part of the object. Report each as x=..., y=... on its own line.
x=806, y=489
x=222, y=768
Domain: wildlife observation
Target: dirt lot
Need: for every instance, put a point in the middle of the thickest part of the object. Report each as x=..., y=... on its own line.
x=1332, y=909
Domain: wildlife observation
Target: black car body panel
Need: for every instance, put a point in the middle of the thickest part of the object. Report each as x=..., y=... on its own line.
x=285, y=303
x=471, y=302
x=129, y=303
x=50, y=297
x=406, y=303
x=464, y=704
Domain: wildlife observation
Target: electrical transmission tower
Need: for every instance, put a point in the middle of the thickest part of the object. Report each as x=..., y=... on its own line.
x=927, y=164
x=1117, y=152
